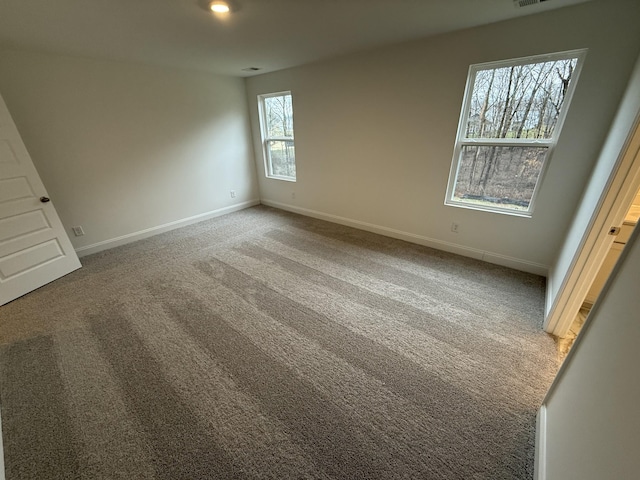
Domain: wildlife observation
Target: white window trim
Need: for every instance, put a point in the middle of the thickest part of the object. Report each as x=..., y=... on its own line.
x=263, y=135
x=549, y=143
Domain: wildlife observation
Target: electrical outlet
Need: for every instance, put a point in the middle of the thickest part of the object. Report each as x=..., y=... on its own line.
x=78, y=231
x=233, y=193
x=454, y=227
x=293, y=195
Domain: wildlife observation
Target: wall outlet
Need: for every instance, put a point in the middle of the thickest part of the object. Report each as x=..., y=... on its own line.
x=78, y=231
x=293, y=195
x=232, y=193
x=454, y=227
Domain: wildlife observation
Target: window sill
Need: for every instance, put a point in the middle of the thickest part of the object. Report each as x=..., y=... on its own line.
x=483, y=208
x=285, y=179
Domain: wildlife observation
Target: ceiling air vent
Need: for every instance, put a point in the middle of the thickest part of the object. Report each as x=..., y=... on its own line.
x=525, y=3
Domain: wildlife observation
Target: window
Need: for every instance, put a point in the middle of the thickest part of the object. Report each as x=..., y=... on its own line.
x=511, y=118
x=276, y=123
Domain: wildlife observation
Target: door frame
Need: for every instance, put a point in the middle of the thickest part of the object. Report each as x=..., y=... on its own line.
x=615, y=201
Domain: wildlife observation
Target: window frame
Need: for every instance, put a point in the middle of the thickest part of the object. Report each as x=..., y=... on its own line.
x=265, y=139
x=548, y=143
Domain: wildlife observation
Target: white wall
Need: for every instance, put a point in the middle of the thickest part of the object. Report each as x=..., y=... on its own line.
x=592, y=418
x=592, y=198
x=375, y=131
x=123, y=148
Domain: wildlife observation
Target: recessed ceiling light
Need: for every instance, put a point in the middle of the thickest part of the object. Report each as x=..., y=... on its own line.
x=219, y=7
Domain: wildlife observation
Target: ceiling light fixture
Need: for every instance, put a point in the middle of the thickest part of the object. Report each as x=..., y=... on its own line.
x=219, y=7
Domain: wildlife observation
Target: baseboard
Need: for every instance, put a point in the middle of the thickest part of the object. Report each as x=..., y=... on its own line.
x=489, y=257
x=540, y=466
x=149, y=232
x=1, y=454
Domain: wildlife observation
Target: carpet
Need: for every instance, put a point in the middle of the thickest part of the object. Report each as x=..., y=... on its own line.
x=264, y=344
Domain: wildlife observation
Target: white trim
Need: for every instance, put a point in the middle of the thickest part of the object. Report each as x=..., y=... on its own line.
x=549, y=292
x=284, y=179
x=1, y=454
x=507, y=142
x=617, y=197
x=549, y=144
x=540, y=460
x=595, y=311
x=149, y=232
x=478, y=254
x=265, y=139
x=488, y=208
x=275, y=94
x=543, y=57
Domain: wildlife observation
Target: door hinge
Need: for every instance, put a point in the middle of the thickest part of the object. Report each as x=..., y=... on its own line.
x=614, y=231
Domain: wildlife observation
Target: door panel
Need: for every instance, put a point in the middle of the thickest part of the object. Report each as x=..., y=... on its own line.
x=34, y=247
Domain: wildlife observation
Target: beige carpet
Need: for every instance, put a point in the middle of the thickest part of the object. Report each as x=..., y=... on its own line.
x=263, y=344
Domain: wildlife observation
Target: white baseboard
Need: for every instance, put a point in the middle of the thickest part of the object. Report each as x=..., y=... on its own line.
x=540, y=465
x=1, y=454
x=489, y=257
x=149, y=232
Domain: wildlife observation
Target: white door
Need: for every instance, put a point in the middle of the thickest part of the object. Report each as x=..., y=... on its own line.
x=34, y=248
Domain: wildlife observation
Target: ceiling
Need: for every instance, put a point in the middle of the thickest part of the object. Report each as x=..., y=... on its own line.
x=269, y=34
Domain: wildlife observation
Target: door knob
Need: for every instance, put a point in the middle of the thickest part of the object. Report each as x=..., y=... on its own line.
x=44, y=199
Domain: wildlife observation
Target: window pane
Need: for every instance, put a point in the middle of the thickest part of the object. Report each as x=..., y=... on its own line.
x=520, y=101
x=279, y=116
x=282, y=158
x=503, y=177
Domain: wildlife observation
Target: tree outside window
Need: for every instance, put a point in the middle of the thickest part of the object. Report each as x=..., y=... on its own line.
x=511, y=119
x=276, y=122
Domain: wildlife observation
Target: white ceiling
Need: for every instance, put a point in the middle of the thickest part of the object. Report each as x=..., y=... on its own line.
x=270, y=34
